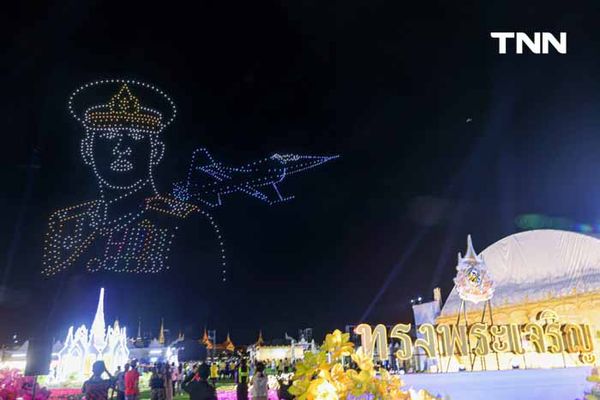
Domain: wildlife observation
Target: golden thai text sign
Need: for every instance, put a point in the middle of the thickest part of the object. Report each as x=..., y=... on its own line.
x=546, y=335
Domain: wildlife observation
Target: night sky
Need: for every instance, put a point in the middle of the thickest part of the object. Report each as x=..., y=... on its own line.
x=439, y=136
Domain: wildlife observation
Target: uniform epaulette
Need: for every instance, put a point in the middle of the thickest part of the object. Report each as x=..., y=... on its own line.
x=168, y=205
x=65, y=214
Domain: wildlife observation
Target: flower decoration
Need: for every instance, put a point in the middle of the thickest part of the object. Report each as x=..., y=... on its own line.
x=322, y=376
x=338, y=344
x=14, y=385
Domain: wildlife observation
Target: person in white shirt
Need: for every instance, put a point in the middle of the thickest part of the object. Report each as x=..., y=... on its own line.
x=259, y=382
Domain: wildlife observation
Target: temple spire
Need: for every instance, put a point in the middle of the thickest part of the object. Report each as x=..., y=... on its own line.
x=228, y=344
x=161, y=334
x=206, y=340
x=260, y=340
x=98, y=330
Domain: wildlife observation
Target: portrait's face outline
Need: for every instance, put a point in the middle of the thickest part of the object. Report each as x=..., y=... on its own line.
x=121, y=158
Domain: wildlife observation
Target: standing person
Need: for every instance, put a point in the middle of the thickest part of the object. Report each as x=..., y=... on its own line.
x=214, y=373
x=96, y=388
x=121, y=382
x=116, y=375
x=222, y=369
x=285, y=382
x=182, y=374
x=175, y=378
x=260, y=387
x=242, y=381
x=200, y=389
x=252, y=368
x=157, y=385
x=232, y=369
x=168, y=382
x=132, y=382
x=226, y=371
x=194, y=372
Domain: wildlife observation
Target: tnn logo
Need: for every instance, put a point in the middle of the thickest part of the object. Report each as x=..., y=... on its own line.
x=539, y=44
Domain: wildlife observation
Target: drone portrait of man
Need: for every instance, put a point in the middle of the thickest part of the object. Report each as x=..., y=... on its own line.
x=130, y=228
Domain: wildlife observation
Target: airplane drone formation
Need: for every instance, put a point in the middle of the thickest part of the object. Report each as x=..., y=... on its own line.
x=208, y=180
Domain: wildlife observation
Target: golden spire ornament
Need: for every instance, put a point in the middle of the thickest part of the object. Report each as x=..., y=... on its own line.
x=161, y=334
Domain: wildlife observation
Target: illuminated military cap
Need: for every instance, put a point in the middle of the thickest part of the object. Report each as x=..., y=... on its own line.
x=122, y=104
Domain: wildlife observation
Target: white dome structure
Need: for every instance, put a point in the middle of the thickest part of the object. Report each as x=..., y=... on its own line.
x=537, y=265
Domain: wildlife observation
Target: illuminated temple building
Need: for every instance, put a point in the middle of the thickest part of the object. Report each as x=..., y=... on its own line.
x=72, y=360
x=82, y=348
x=550, y=271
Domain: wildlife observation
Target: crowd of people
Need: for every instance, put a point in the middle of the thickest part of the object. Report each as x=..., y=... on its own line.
x=125, y=382
x=252, y=381
x=164, y=381
x=198, y=381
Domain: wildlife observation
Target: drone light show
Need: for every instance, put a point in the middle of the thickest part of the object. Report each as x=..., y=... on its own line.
x=131, y=227
x=272, y=196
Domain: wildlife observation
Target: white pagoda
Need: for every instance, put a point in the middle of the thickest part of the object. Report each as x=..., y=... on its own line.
x=82, y=348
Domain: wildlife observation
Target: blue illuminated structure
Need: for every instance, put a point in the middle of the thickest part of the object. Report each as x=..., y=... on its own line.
x=208, y=180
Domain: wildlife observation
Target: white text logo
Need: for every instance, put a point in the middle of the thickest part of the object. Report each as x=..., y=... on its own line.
x=540, y=43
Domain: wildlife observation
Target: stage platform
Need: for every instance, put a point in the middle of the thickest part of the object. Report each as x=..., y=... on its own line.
x=530, y=384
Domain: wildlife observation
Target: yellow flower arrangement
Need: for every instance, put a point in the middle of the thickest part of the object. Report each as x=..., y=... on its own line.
x=322, y=376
